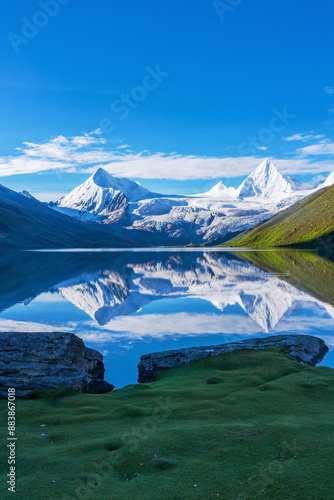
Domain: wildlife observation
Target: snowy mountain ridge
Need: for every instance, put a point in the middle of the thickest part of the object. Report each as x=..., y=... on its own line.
x=101, y=198
x=192, y=219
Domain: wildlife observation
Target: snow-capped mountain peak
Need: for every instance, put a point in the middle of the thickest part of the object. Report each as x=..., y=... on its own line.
x=220, y=186
x=96, y=198
x=329, y=181
x=217, y=190
x=265, y=182
x=102, y=197
x=132, y=190
x=102, y=178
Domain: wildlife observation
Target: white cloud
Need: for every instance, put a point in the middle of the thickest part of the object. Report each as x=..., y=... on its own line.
x=297, y=137
x=329, y=90
x=165, y=325
x=85, y=153
x=7, y=325
x=188, y=167
x=25, y=165
x=303, y=137
x=85, y=140
x=58, y=154
x=179, y=167
x=324, y=147
x=160, y=326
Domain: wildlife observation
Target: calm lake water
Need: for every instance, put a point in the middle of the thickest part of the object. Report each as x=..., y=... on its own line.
x=129, y=303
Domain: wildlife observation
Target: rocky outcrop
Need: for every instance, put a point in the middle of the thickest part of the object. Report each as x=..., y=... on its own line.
x=34, y=361
x=303, y=348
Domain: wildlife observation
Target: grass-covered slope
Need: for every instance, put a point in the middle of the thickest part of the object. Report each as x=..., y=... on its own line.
x=307, y=223
x=25, y=223
x=245, y=424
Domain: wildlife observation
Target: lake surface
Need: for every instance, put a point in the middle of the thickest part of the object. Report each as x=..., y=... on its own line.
x=129, y=303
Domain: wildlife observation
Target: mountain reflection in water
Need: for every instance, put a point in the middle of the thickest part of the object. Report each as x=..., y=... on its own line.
x=126, y=304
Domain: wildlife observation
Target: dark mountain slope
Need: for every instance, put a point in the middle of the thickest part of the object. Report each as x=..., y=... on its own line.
x=25, y=224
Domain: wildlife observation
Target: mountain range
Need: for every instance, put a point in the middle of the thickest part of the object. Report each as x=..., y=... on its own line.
x=210, y=217
x=28, y=223
x=110, y=211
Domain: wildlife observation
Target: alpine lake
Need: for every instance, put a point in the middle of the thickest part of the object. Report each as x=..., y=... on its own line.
x=126, y=303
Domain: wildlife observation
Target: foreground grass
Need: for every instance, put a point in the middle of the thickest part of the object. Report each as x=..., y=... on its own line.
x=242, y=425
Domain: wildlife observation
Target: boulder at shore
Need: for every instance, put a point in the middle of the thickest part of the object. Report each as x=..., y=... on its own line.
x=303, y=348
x=37, y=361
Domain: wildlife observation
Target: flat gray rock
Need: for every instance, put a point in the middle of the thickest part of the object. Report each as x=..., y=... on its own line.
x=36, y=361
x=303, y=348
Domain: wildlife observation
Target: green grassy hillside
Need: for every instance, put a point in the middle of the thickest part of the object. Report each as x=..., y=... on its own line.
x=242, y=425
x=309, y=223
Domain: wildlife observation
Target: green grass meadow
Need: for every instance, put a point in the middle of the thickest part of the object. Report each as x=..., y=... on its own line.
x=242, y=425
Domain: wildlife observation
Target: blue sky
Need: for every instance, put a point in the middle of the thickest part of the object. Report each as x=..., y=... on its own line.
x=176, y=94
